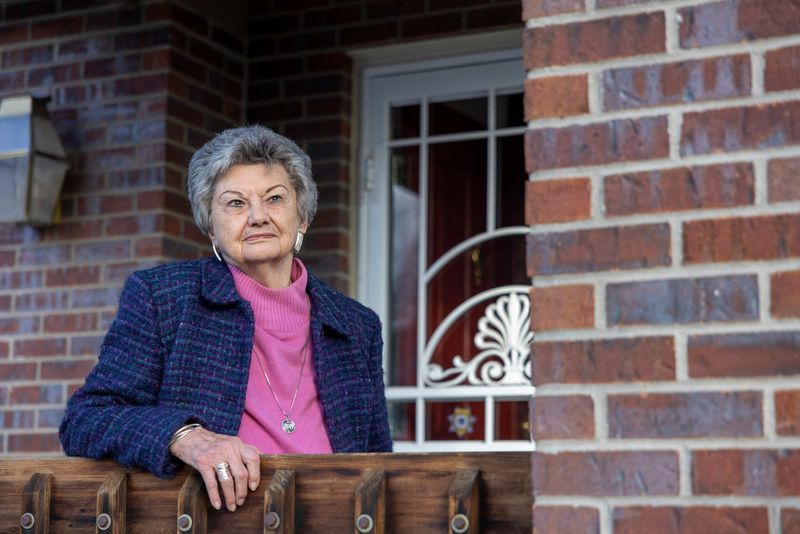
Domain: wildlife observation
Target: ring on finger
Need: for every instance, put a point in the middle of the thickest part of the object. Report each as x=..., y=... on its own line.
x=223, y=471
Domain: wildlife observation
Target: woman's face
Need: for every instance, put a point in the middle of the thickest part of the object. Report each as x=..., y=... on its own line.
x=254, y=215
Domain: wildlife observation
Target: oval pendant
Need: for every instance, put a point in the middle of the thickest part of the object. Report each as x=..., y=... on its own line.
x=288, y=425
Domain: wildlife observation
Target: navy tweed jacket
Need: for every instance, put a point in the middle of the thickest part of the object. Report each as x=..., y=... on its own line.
x=179, y=352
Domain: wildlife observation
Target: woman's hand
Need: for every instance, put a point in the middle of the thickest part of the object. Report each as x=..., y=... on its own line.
x=203, y=449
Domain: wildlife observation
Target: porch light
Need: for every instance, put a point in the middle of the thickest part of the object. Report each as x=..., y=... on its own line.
x=32, y=162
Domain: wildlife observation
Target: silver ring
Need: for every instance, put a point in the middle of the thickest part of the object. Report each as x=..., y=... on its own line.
x=223, y=471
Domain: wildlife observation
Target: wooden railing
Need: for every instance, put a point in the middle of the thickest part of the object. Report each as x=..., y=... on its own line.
x=366, y=493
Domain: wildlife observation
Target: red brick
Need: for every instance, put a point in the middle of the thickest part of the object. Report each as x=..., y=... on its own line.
x=685, y=415
x=562, y=417
x=392, y=8
x=19, y=325
x=95, y=298
x=13, y=33
x=684, y=188
x=595, y=40
x=768, y=237
x=8, y=258
x=676, y=83
x=558, y=307
x=430, y=25
x=759, y=472
x=618, y=3
x=553, y=201
x=48, y=394
x=143, y=38
x=639, y=359
x=787, y=412
x=309, y=40
x=734, y=21
x=368, y=33
x=336, y=16
x=21, y=279
x=69, y=276
x=51, y=300
x=60, y=27
x=784, y=179
x=742, y=128
x=556, y=96
x=494, y=17
x=626, y=247
x=17, y=371
x=681, y=301
x=85, y=345
x=782, y=70
x=113, y=66
x=103, y=250
x=689, y=520
x=785, y=294
x=34, y=442
x=40, y=347
x=140, y=224
x=23, y=57
x=605, y=474
x=67, y=369
x=85, y=47
x=532, y=9
x=596, y=144
x=70, y=322
x=54, y=74
x=559, y=519
x=29, y=9
x=744, y=355
x=790, y=521
x=17, y=419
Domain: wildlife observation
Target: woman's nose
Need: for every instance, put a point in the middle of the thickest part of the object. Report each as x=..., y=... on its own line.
x=258, y=215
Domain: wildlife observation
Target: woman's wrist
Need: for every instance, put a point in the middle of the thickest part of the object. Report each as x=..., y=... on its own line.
x=182, y=432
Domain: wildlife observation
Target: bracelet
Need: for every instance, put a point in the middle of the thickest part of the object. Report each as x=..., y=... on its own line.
x=182, y=432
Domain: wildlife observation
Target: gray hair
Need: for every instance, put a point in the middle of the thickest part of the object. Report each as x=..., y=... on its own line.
x=248, y=145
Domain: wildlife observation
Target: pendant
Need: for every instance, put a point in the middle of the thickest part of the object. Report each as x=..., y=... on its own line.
x=288, y=425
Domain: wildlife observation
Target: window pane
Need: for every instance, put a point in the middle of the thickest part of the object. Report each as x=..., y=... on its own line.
x=405, y=121
x=511, y=420
x=402, y=415
x=509, y=111
x=511, y=178
x=455, y=420
x=456, y=194
x=15, y=133
x=455, y=116
x=404, y=173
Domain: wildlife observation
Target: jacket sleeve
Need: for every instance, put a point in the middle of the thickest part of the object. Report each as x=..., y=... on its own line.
x=116, y=414
x=380, y=439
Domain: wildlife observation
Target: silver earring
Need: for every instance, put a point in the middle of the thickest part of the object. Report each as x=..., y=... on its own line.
x=298, y=243
x=214, y=247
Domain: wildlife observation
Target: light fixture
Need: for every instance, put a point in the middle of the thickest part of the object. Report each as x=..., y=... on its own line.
x=32, y=162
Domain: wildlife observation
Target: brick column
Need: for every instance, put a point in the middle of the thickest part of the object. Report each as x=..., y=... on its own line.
x=663, y=154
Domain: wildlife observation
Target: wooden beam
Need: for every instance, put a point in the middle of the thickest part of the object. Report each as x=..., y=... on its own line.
x=463, y=504
x=370, y=515
x=192, y=505
x=35, y=516
x=112, y=505
x=279, y=503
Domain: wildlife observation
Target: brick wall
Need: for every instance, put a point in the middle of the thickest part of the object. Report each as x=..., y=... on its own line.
x=664, y=158
x=134, y=88
x=301, y=81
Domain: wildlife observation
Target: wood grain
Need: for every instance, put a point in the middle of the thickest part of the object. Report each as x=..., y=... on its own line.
x=279, y=500
x=463, y=503
x=112, y=501
x=35, y=513
x=371, y=501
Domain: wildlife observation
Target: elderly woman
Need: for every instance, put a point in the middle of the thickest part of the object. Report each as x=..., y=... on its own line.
x=214, y=361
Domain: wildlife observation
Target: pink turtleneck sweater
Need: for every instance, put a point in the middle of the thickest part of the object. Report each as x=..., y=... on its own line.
x=281, y=330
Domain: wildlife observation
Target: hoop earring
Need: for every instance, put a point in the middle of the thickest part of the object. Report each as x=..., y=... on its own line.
x=298, y=242
x=214, y=247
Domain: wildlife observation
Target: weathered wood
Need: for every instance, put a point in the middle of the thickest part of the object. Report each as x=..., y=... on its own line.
x=35, y=515
x=370, y=516
x=463, y=504
x=192, y=506
x=279, y=503
x=325, y=485
x=112, y=505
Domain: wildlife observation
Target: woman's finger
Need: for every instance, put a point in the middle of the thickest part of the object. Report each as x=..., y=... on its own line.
x=209, y=475
x=228, y=490
x=252, y=460
x=240, y=476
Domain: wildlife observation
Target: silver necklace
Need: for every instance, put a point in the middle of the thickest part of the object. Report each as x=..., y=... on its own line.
x=287, y=425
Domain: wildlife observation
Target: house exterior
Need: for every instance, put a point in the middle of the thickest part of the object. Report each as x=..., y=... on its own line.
x=600, y=195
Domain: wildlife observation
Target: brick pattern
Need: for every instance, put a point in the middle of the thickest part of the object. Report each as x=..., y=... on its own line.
x=134, y=89
x=300, y=83
x=663, y=200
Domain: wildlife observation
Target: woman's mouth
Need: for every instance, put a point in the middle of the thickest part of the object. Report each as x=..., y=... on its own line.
x=258, y=237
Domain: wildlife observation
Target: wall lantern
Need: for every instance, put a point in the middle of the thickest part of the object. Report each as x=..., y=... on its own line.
x=32, y=162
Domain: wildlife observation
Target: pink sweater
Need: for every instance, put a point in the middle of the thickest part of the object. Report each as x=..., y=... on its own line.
x=281, y=330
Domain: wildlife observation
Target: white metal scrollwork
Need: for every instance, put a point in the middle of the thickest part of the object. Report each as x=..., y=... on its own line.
x=503, y=338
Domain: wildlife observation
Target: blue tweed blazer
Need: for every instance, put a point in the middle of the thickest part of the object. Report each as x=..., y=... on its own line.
x=179, y=352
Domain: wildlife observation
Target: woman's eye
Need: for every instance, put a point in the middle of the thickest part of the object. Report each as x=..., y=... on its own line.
x=275, y=199
x=235, y=203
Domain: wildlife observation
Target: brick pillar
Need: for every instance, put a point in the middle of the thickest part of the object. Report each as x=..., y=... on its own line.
x=663, y=153
x=134, y=88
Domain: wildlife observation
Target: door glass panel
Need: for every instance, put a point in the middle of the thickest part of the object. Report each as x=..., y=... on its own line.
x=405, y=121
x=511, y=178
x=402, y=415
x=508, y=110
x=511, y=420
x=404, y=173
x=463, y=420
x=456, y=194
x=456, y=116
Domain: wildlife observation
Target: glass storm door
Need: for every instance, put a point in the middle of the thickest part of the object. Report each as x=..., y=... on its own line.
x=442, y=249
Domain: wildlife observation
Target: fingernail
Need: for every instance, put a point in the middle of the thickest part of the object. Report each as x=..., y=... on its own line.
x=241, y=502
x=253, y=486
x=216, y=504
x=232, y=508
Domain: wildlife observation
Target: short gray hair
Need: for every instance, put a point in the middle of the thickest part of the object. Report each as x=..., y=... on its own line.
x=248, y=145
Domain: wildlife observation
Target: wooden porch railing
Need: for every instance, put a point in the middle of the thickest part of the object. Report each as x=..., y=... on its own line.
x=360, y=493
